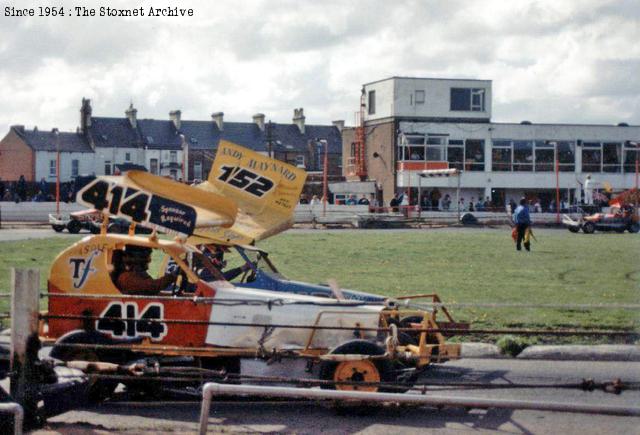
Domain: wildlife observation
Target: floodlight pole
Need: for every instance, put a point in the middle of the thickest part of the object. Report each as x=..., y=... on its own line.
x=458, y=193
x=56, y=135
x=325, y=169
x=557, y=188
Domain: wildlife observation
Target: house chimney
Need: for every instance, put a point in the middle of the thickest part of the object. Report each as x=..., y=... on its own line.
x=132, y=115
x=339, y=124
x=298, y=119
x=85, y=115
x=258, y=119
x=174, y=116
x=218, y=118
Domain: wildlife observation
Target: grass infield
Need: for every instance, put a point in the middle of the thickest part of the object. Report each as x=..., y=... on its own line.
x=461, y=265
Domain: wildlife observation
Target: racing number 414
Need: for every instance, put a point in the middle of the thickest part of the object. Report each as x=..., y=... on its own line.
x=122, y=319
x=244, y=179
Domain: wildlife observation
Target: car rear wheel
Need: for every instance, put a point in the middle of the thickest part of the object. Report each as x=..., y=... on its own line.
x=634, y=227
x=574, y=228
x=589, y=228
x=57, y=228
x=365, y=370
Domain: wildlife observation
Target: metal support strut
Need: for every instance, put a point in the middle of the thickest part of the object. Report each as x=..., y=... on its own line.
x=211, y=389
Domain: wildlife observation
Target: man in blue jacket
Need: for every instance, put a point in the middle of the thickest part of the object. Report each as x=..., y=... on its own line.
x=522, y=220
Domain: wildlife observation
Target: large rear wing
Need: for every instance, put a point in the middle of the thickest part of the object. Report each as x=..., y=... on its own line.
x=265, y=190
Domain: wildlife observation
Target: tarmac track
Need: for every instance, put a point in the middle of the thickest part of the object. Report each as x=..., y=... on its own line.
x=309, y=417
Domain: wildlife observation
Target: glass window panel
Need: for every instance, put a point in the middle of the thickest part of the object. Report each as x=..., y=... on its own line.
x=416, y=153
x=566, y=152
x=502, y=142
x=591, y=160
x=611, y=157
x=435, y=153
x=630, y=156
x=545, y=160
x=501, y=159
x=545, y=144
x=414, y=140
x=456, y=142
x=522, y=155
x=372, y=102
x=591, y=144
x=419, y=97
x=455, y=155
x=474, y=155
x=460, y=99
x=435, y=140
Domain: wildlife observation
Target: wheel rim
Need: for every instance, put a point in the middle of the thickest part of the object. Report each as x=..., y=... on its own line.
x=357, y=371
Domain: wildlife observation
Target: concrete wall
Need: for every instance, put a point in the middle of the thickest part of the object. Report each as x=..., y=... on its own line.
x=397, y=97
x=86, y=165
x=16, y=158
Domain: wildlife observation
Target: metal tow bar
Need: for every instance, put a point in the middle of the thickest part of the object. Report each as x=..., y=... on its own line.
x=211, y=389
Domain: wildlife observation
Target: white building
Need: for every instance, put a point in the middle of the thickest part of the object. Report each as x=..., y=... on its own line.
x=419, y=123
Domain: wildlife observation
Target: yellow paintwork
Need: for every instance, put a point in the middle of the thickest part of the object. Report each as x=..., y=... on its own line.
x=212, y=209
x=257, y=218
x=99, y=248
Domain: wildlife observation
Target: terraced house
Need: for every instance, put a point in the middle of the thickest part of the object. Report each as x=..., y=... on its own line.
x=178, y=148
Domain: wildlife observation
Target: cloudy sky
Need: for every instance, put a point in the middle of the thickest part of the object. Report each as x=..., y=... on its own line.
x=550, y=61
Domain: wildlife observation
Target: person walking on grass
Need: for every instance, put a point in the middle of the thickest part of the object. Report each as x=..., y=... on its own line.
x=523, y=223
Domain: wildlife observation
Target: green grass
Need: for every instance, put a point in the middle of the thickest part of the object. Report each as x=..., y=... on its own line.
x=459, y=265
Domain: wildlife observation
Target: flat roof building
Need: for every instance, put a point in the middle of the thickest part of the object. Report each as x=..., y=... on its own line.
x=414, y=124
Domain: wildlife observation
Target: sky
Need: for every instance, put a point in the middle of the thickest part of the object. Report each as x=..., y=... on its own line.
x=570, y=61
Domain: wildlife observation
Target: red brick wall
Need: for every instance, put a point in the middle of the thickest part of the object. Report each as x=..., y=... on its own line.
x=16, y=158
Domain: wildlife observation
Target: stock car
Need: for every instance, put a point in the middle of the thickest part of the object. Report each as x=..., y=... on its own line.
x=620, y=218
x=345, y=337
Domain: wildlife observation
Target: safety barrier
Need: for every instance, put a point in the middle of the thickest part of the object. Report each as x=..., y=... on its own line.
x=18, y=415
x=211, y=389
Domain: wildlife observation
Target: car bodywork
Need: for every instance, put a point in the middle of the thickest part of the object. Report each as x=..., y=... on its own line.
x=211, y=319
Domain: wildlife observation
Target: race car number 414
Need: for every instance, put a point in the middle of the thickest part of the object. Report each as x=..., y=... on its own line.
x=124, y=319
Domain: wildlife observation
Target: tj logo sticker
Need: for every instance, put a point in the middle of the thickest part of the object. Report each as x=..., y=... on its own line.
x=82, y=269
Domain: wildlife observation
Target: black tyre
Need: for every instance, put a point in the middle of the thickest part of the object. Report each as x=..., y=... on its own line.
x=589, y=228
x=94, y=229
x=634, y=227
x=369, y=371
x=98, y=390
x=57, y=228
x=74, y=227
x=574, y=228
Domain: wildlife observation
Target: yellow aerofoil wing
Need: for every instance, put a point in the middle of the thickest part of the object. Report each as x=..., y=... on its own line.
x=265, y=190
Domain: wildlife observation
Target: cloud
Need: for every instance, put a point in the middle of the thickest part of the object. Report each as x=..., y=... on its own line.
x=549, y=61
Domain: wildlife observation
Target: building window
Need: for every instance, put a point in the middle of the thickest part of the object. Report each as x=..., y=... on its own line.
x=153, y=166
x=611, y=156
x=52, y=168
x=591, y=156
x=435, y=148
x=300, y=161
x=631, y=155
x=501, y=156
x=372, y=102
x=523, y=155
x=197, y=170
x=566, y=156
x=107, y=167
x=455, y=153
x=173, y=157
x=127, y=157
x=173, y=173
x=419, y=97
x=412, y=147
x=75, y=167
x=467, y=99
x=474, y=155
x=545, y=156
